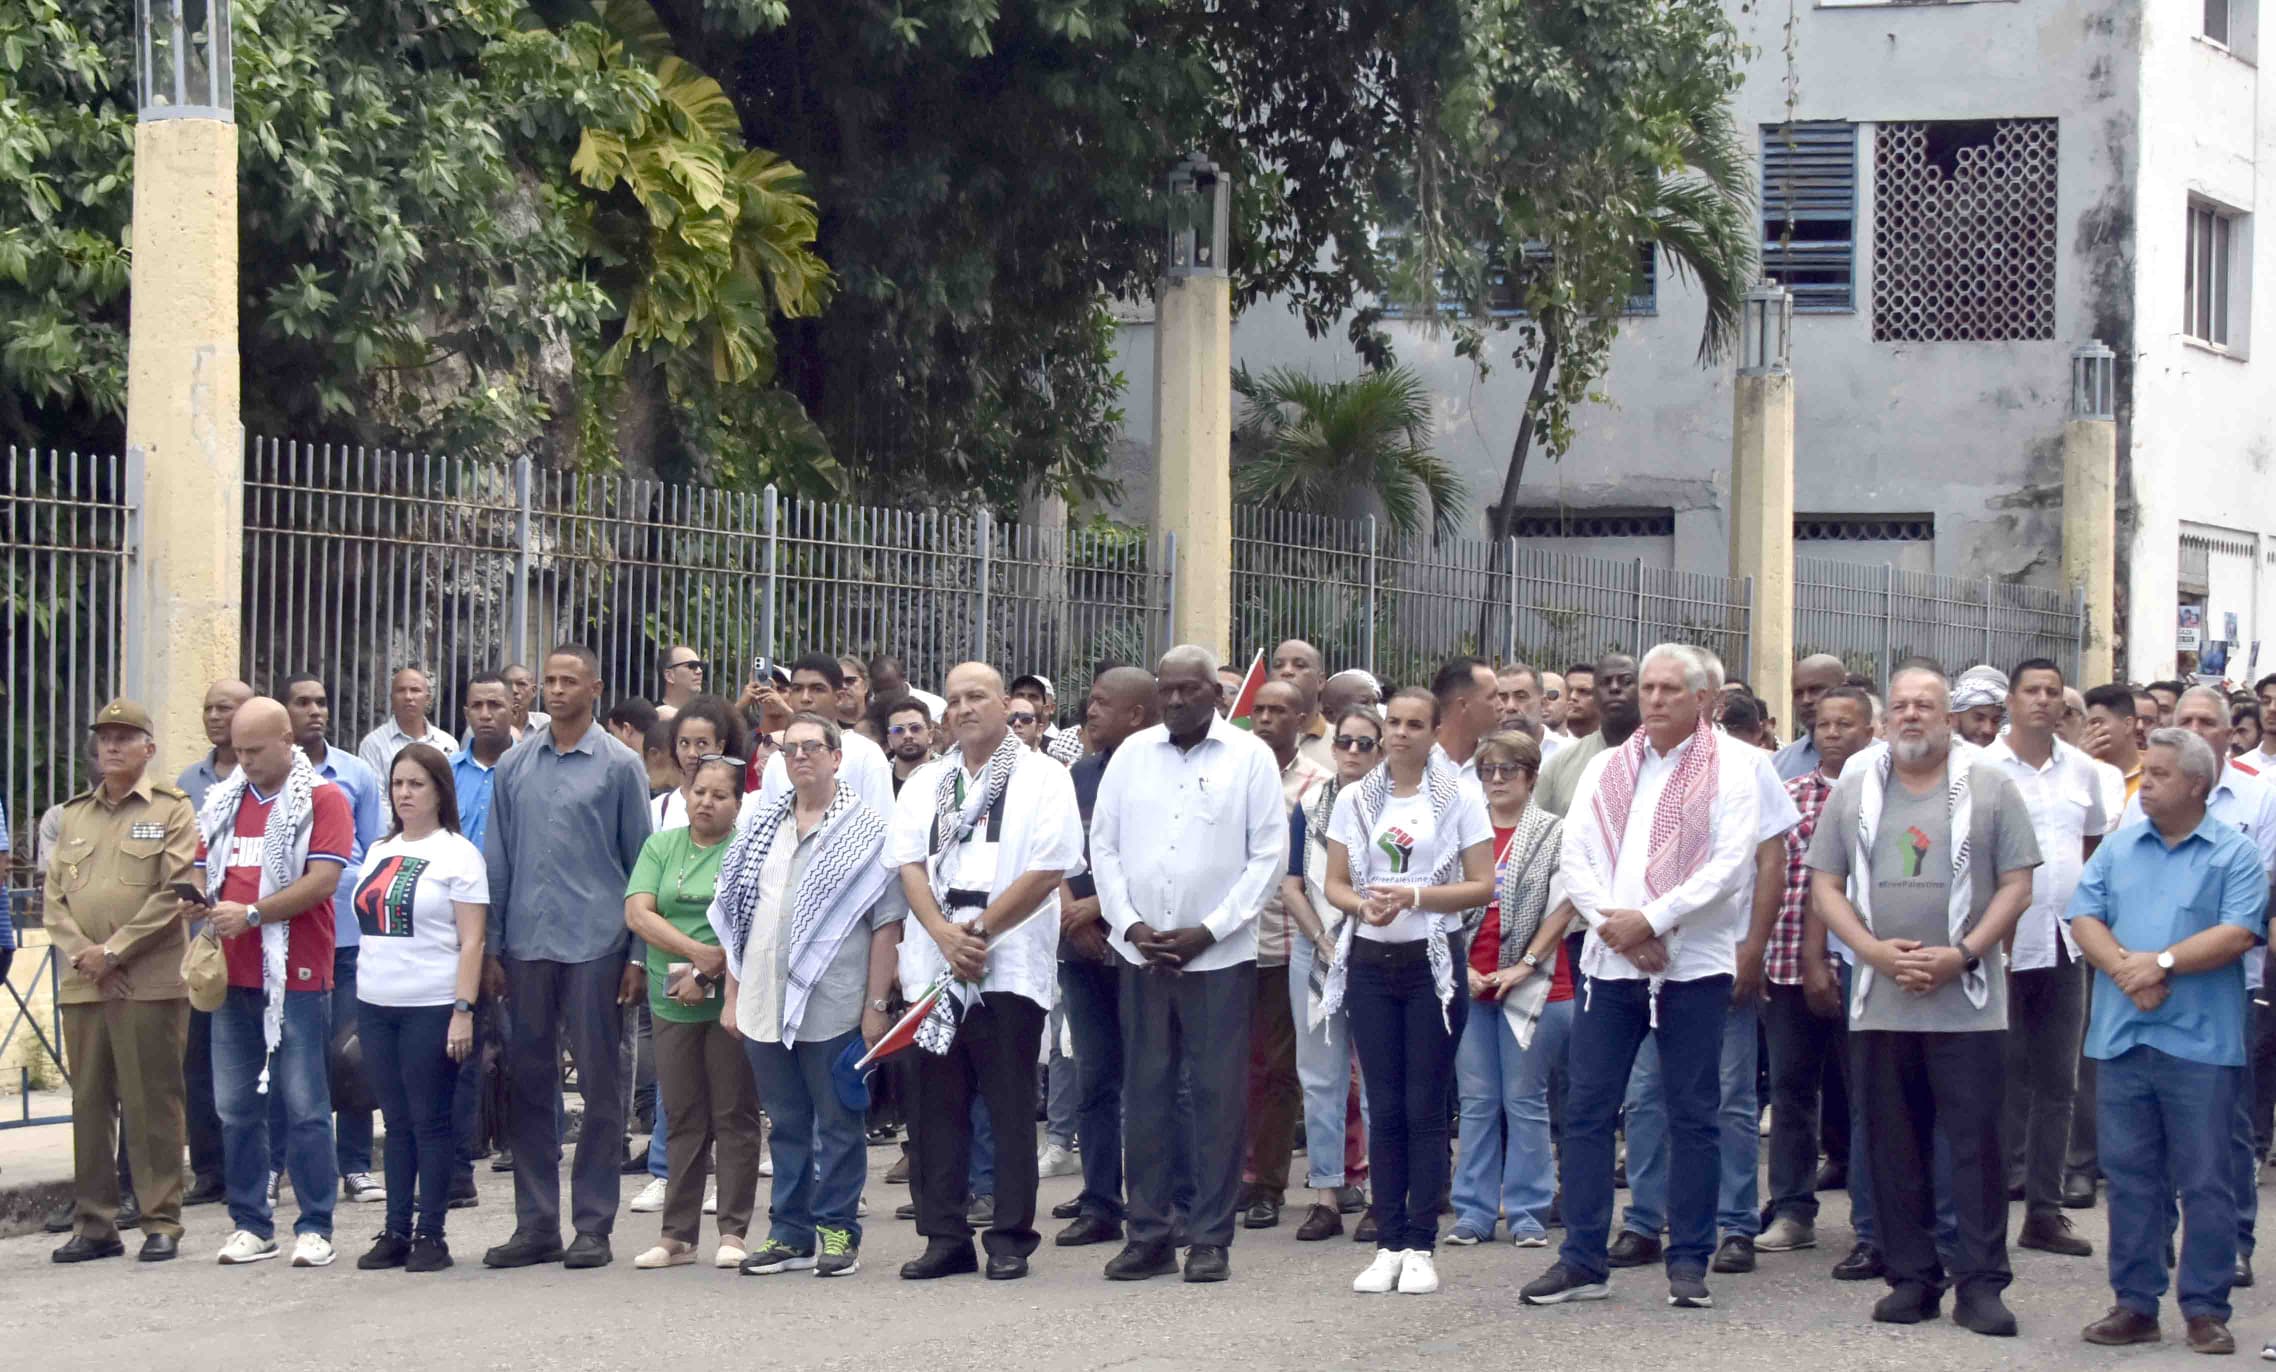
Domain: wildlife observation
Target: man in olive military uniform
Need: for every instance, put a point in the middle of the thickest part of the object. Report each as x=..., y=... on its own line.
x=119, y=930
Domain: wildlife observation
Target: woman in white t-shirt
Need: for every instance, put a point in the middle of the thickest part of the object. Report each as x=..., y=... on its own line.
x=1409, y=849
x=421, y=901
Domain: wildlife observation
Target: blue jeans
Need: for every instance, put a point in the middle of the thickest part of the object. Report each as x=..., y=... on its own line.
x=416, y=1081
x=300, y=1080
x=1614, y=1021
x=983, y=1170
x=1060, y=1092
x=820, y=1154
x=1323, y=1074
x=1090, y=997
x=1506, y=1165
x=2150, y=1129
x=1738, y=1194
x=352, y=1134
x=2244, y=1161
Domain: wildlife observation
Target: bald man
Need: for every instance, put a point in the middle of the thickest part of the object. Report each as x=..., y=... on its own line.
x=410, y=695
x=1298, y=663
x=982, y=836
x=221, y=701
x=1813, y=677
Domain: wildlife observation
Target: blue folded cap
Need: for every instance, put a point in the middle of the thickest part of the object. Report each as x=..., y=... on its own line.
x=853, y=1086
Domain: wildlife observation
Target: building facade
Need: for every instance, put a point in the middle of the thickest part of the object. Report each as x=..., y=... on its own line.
x=1958, y=194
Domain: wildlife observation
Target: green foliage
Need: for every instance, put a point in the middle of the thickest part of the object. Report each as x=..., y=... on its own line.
x=1320, y=446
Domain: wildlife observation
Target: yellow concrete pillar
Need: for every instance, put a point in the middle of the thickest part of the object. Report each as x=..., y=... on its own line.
x=1193, y=451
x=182, y=413
x=1762, y=494
x=2090, y=538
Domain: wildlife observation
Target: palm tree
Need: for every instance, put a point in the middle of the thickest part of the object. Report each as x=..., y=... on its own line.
x=1324, y=447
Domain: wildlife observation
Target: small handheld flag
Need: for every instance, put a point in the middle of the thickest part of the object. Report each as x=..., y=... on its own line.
x=1250, y=685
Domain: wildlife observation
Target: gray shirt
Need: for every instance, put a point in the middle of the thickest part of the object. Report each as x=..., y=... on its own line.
x=198, y=778
x=834, y=1005
x=564, y=830
x=1561, y=775
x=1912, y=874
x=1796, y=759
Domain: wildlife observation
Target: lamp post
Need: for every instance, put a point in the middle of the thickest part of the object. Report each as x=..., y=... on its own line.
x=2090, y=504
x=1762, y=490
x=1193, y=402
x=182, y=427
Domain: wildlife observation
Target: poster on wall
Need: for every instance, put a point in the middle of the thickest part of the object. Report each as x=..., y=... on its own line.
x=2191, y=634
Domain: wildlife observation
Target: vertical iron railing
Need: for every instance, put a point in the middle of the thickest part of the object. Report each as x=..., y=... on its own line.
x=1874, y=616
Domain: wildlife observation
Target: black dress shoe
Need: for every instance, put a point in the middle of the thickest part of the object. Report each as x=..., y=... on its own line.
x=206, y=1191
x=1351, y=1199
x=1207, y=1262
x=941, y=1258
x=130, y=1212
x=1263, y=1213
x=80, y=1248
x=159, y=1248
x=524, y=1250
x=1137, y=1262
x=1555, y=1219
x=2241, y=1274
x=906, y=1210
x=2078, y=1191
x=1067, y=1209
x=462, y=1193
x=1321, y=1222
x=1862, y=1264
x=1980, y=1310
x=1088, y=1229
x=1006, y=1267
x=635, y=1163
x=1178, y=1235
x=588, y=1250
x=1832, y=1176
x=1364, y=1231
x=502, y=1160
x=1632, y=1249
x=1736, y=1255
x=1908, y=1303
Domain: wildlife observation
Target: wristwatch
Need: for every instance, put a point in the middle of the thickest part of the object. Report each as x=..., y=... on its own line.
x=879, y=1006
x=2165, y=961
x=1969, y=962
x=1530, y=960
x=252, y=916
x=464, y=1007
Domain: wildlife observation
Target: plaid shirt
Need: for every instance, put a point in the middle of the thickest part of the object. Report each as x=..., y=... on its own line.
x=1783, y=963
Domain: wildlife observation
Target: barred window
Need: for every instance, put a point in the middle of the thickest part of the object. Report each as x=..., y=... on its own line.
x=1594, y=524
x=1809, y=213
x=1903, y=528
x=1964, y=232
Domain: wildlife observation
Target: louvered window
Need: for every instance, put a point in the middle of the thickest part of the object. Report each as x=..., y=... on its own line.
x=1809, y=213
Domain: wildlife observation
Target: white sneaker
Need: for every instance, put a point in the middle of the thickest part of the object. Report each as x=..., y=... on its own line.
x=243, y=1247
x=312, y=1250
x=731, y=1254
x=1382, y=1275
x=362, y=1188
x=766, y=1161
x=651, y=1197
x=1418, y=1276
x=711, y=1199
x=1056, y=1160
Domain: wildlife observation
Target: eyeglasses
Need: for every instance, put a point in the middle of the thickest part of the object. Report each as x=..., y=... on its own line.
x=906, y=730
x=805, y=747
x=1352, y=743
x=695, y=662
x=708, y=758
x=1500, y=771
x=1022, y=717
x=767, y=743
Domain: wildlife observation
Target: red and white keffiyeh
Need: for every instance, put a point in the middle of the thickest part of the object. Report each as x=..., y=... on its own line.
x=1682, y=821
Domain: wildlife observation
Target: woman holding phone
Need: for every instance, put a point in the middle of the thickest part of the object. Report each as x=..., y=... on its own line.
x=1409, y=851
x=421, y=901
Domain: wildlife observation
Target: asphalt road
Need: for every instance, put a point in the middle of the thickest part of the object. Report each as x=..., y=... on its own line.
x=1289, y=1305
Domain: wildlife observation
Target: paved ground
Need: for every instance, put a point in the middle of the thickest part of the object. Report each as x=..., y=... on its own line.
x=1289, y=1305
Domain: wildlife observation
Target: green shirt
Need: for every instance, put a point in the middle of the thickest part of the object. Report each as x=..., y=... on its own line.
x=682, y=877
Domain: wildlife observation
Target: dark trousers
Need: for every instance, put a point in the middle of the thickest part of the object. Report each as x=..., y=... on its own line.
x=993, y=1060
x=2080, y=1158
x=1191, y=1027
x=1917, y=1086
x=2261, y=1049
x=2046, y=1018
x=203, y=1119
x=1091, y=992
x=415, y=1080
x=577, y=1000
x=1273, y=1093
x=1802, y=1045
x=1406, y=1063
x=708, y=1101
x=469, y=1136
x=1613, y=1020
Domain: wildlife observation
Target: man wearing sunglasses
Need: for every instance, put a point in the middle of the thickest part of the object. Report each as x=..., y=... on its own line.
x=682, y=669
x=908, y=738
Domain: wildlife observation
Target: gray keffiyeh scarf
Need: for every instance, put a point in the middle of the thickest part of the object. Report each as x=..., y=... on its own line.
x=284, y=857
x=839, y=884
x=1443, y=785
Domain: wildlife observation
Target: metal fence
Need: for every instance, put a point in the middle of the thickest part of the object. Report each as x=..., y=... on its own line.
x=1874, y=616
x=1403, y=607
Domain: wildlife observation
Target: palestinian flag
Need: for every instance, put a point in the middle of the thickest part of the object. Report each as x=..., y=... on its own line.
x=1250, y=685
x=904, y=1030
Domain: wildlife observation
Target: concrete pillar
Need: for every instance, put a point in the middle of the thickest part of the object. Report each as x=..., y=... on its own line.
x=182, y=412
x=2090, y=537
x=1193, y=450
x=1762, y=529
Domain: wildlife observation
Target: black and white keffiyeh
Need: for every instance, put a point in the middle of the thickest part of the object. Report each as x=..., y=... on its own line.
x=953, y=827
x=837, y=887
x=1443, y=785
x=284, y=856
x=1874, y=766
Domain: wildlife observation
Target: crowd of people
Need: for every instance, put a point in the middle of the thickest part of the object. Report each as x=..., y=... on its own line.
x=1487, y=947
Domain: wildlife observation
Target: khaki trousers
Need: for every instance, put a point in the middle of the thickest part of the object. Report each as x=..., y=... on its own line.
x=126, y=1061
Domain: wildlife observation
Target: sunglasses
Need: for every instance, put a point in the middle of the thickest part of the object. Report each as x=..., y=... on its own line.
x=1499, y=771
x=1352, y=743
x=695, y=662
x=905, y=730
x=708, y=758
x=805, y=747
x=1022, y=717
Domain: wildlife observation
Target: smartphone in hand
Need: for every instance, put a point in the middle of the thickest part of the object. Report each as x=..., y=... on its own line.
x=194, y=894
